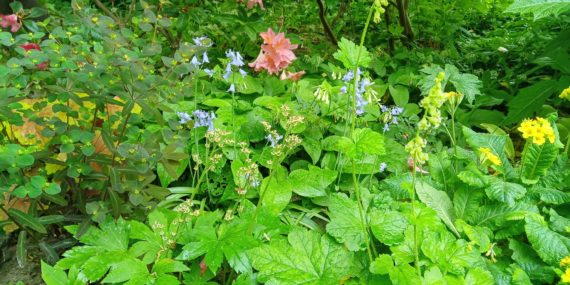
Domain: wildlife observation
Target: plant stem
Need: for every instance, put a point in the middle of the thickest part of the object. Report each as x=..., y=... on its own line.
x=416, y=247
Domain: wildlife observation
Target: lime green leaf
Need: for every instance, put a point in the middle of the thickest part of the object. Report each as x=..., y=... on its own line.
x=550, y=246
x=466, y=201
x=345, y=224
x=404, y=274
x=438, y=201
x=479, y=276
x=400, y=94
x=449, y=254
x=126, y=270
x=382, y=264
x=168, y=265
x=305, y=258
x=388, y=226
x=53, y=276
x=312, y=182
x=540, y=8
x=277, y=190
x=348, y=54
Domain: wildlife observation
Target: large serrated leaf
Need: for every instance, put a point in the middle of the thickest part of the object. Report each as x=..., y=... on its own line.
x=506, y=192
x=439, y=202
x=536, y=160
x=305, y=258
x=351, y=56
x=550, y=246
x=345, y=224
x=540, y=8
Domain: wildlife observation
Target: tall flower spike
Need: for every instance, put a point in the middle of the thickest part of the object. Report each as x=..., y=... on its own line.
x=276, y=53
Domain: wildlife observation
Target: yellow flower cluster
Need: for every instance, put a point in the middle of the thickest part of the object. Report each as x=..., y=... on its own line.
x=538, y=129
x=488, y=155
x=565, y=262
x=415, y=148
x=432, y=103
x=565, y=94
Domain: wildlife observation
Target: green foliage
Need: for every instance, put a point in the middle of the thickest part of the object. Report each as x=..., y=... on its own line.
x=171, y=155
x=540, y=8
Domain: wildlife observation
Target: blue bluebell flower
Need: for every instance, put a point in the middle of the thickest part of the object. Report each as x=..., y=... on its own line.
x=205, y=58
x=383, y=108
x=195, y=62
x=232, y=88
x=348, y=76
x=343, y=89
x=209, y=71
x=383, y=166
x=274, y=139
x=184, y=117
x=236, y=58
x=242, y=72
x=360, y=104
x=386, y=127
x=228, y=71
x=204, y=119
x=202, y=41
x=396, y=111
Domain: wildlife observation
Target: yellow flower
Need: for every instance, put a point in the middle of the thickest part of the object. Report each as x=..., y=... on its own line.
x=565, y=278
x=565, y=94
x=538, y=129
x=565, y=261
x=487, y=154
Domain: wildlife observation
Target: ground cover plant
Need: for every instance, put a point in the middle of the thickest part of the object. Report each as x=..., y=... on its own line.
x=285, y=142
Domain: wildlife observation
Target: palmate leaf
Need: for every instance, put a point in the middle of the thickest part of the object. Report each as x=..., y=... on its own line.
x=305, y=257
x=388, y=226
x=550, y=246
x=448, y=253
x=348, y=55
x=312, y=182
x=540, y=8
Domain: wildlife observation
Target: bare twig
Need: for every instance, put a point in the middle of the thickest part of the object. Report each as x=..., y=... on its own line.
x=109, y=12
x=328, y=30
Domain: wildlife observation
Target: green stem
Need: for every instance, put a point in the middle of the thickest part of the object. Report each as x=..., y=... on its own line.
x=352, y=128
x=416, y=245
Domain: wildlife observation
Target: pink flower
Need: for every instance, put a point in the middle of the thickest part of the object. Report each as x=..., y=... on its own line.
x=418, y=169
x=292, y=75
x=276, y=53
x=252, y=3
x=30, y=46
x=10, y=21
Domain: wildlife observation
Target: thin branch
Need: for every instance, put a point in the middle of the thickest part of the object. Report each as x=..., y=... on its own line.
x=328, y=30
x=109, y=12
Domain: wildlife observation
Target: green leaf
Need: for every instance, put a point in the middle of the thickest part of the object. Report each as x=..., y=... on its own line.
x=530, y=262
x=367, y=141
x=540, y=8
x=479, y=276
x=466, y=201
x=400, y=94
x=404, y=274
x=529, y=100
x=495, y=142
x=126, y=270
x=53, y=276
x=27, y=221
x=550, y=246
x=438, y=201
x=388, y=226
x=506, y=192
x=21, y=249
x=382, y=264
x=536, y=160
x=449, y=254
x=277, y=190
x=168, y=265
x=305, y=258
x=345, y=225
x=312, y=182
x=348, y=53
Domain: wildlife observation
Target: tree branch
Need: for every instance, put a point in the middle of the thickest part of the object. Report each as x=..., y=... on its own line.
x=108, y=12
x=328, y=30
